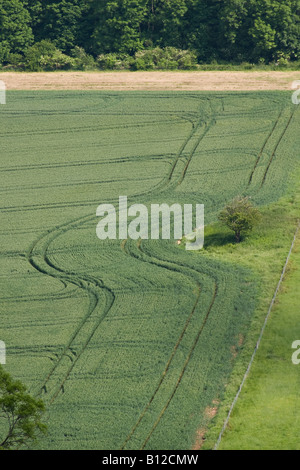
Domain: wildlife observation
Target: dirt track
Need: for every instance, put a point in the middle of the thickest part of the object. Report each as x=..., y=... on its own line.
x=189, y=81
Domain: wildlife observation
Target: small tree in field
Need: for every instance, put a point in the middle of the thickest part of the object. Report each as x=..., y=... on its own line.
x=240, y=216
x=20, y=414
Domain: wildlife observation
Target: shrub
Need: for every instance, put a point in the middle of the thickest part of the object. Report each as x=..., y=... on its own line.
x=115, y=62
x=57, y=61
x=16, y=60
x=34, y=54
x=45, y=56
x=247, y=66
x=240, y=216
x=107, y=61
x=168, y=58
x=283, y=63
x=83, y=61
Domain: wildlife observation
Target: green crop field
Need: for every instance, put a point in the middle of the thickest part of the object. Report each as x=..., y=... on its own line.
x=132, y=344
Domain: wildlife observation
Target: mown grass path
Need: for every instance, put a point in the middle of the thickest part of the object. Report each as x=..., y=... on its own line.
x=267, y=414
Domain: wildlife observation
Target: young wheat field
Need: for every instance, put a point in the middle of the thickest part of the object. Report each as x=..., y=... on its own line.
x=132, y=344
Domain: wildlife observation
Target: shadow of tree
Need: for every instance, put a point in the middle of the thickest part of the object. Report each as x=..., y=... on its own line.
x=217, y=237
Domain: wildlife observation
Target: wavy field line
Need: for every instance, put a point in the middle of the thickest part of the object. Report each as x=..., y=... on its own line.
x=38, y=258
x=47, y=268
x=276, y=147
x=174, y=267
x=263, y=147
x=81, y=163
x=188, y=358
x=196, y=145
x=70, y=185
x=194, y=135
x=86, y=128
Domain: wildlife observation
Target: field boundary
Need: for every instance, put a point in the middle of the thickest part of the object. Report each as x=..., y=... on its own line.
x=259, y=340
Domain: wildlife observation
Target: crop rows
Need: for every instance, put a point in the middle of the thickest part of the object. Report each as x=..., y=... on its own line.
x=128, y=343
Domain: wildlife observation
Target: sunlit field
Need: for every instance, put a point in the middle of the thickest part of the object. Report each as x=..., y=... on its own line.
x=131, y=344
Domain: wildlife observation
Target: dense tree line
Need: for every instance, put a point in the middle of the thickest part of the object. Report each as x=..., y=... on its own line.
x=215, y=30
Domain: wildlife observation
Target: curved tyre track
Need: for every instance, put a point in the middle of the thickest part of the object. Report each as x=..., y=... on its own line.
x=206, y=120
x=38, y=258
x=101, y=299
x=142, y=256
x=263, y=147
x=267, y=141
x=276, y=147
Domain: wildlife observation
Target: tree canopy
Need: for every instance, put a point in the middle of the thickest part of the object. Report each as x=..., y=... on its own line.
x=222, y=30
x=15, y=31
x=240, y=216
x=20, y=413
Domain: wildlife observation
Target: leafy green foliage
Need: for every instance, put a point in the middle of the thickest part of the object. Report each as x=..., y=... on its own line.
x=45, y=56
x=232, y=30
x=240, y=216
x=58, y=21
x=15, y=32
x=83, y=61
x=150, y=59
x=164, y=23
x=20, y=414
x=117, y=26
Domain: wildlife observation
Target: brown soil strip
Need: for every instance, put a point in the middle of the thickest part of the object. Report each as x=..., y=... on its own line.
x=157, y=81
x=209, y=413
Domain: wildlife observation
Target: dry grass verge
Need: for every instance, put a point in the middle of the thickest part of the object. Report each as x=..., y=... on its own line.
x=186, y=81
